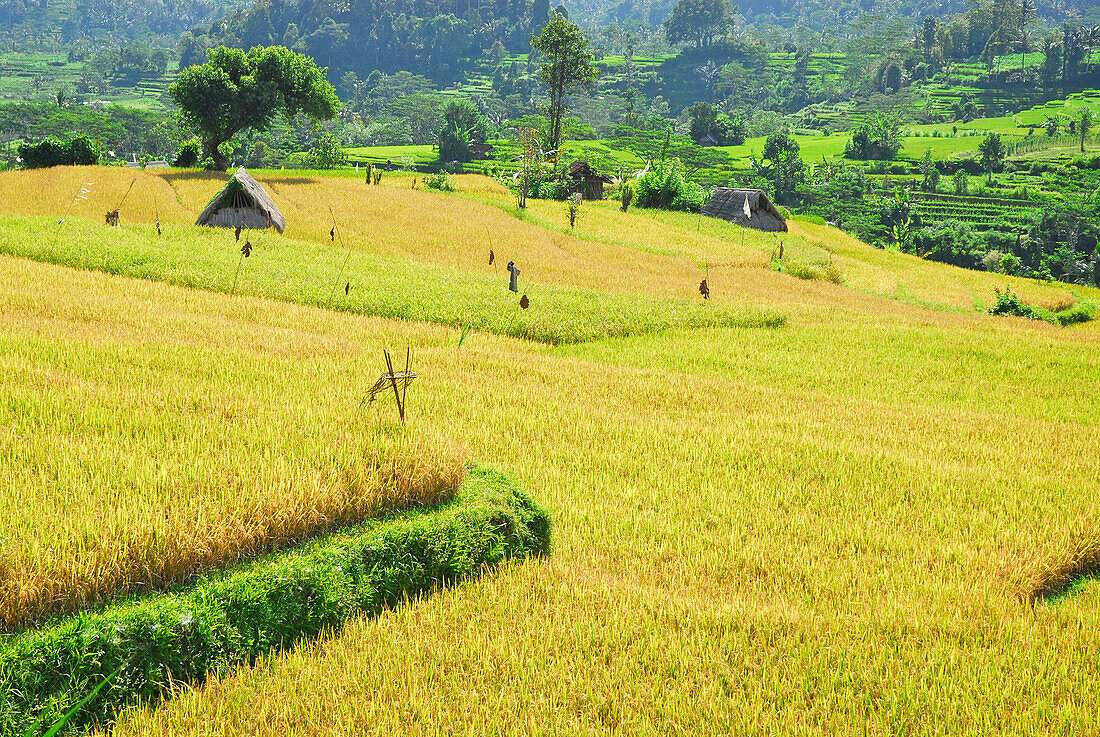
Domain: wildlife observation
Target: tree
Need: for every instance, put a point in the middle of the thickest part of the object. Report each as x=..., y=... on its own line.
x=1084, y=123
x=463, y=126
x=783, y=168
x=699, y=21
x=879, y=139
x=567, y=69
x=991, y=152
x=238, y=90
x=704, y=120
x=929, y=171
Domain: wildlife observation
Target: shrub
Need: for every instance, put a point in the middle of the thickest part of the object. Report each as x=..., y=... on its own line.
x=81, y=150
x=666, y=186
x=626, y=196
x=1080, y=312
x=327, y=153
x=187, y=155
x=1008, y=303
x=440, y=182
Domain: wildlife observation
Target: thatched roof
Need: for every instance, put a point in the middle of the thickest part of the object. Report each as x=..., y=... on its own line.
x=242, y=192
x=748, y=207
x=580, y=170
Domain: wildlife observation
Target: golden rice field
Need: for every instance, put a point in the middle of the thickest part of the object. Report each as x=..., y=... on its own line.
x=838, y=526
x=148, y=434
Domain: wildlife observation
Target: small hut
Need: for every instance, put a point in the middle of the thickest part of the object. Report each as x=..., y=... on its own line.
x=242, y=202
x=748, y=207
x=585, y=181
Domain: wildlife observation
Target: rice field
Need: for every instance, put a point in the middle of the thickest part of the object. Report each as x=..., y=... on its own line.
x=845, y=524
x=153, y=432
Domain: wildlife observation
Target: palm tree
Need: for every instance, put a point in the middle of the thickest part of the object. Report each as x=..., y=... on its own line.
x=1024, y=40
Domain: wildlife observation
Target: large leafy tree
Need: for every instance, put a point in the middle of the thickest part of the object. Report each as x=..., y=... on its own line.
x=782, y=167
x=463, y=126
x=699, y=21
x=237, y=90
x=568, y=68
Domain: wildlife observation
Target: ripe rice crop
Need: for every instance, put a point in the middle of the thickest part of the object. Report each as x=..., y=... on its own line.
x=849, y=525
x=153, y=432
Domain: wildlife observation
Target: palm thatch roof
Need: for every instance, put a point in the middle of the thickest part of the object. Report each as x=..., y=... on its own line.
x=748, y=207
x=582, y=170
x=242, y=202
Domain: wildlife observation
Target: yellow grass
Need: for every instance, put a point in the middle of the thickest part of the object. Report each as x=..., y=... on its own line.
x=151, y=432
x=836, y=527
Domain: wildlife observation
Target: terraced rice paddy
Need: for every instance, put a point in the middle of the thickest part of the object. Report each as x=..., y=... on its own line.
x=845, y=523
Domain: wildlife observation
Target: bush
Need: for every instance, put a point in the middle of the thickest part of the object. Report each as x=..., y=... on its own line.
x=1008, y=303
x=666, y=186
x=188, y=154
x=1080, y=312
x=231, y=619
x=80, y=151
x=440, y=182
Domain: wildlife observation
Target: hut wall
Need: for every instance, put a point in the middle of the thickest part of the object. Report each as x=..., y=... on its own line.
x=231, y=217
x=589, y=189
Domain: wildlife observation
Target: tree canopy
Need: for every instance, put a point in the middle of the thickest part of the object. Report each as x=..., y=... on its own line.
x=237, y=90
x=699, y=21
x=567, y=69
x=463, y=126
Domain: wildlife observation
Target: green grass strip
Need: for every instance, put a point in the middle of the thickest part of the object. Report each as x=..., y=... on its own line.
x=312, y=274
x=231, y=618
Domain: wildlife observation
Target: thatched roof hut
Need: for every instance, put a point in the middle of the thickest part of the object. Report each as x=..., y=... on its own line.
x=748, y=207
x=585, y=180
x=242, y=202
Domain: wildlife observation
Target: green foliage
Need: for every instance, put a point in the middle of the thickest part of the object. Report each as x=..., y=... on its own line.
x=327, y=152
x=781, y=167
x=574, y=210
x=991, y=152
x=1009, y=303
x=878, y=140
x=699, y=21
x=725, y=130
x=463, y=126
x=440, y=182
x=568, y=68
x=232, y=618
x=188, y=153
x=667, y=187
x=238, y=90
x=51, y=152
x=805, y=270
x=626, y=196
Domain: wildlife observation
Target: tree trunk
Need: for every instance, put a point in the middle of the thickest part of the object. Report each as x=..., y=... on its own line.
x=210, y=148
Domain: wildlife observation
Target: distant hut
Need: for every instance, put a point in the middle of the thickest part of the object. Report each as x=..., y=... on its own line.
x=481, y=150
x=242, y=202
x=748, y=207
x=585, y=180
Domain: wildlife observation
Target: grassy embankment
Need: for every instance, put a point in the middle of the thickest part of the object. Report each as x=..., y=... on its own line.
x=226, y=620
x=844, y=525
